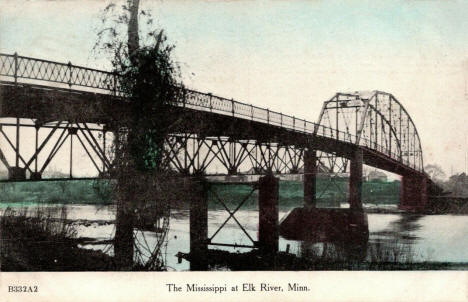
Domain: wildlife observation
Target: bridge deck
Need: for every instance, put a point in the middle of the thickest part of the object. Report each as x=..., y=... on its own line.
x=48, y=103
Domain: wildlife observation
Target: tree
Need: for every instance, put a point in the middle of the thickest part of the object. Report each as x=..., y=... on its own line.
x=149, y=86
x=458, y=185
x=435, y=172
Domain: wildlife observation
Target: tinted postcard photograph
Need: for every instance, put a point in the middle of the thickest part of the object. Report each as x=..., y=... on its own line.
x=235, y=150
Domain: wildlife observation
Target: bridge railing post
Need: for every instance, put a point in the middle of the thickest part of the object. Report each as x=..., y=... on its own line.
x=251, y=112
x=232, y=104
x=281, y=119
x=16, y=67
x=294, y=123
x=268, y=116
x=211, y=102
x=70, y=74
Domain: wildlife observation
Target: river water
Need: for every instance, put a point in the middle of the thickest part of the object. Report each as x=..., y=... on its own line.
x=435, y=238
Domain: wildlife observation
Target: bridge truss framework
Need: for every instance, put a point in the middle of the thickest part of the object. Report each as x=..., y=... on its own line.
x=231, y=137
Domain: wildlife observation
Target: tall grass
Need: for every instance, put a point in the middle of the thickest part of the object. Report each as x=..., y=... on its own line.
x=42, y=222
x=42, y=239
x=372, y=255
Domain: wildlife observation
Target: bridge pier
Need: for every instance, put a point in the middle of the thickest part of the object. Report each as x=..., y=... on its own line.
x=355, y=180
x=310, y=178
x=16, y=173
x=198, y=224
x=36, y=176
x=268, y=230
x=413, y=192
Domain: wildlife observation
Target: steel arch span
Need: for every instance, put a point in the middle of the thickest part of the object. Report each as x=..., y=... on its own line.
x=376, y=120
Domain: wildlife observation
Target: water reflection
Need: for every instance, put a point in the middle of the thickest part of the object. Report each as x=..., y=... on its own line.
x=392, y=245
x=403, y=228
x=396, y=242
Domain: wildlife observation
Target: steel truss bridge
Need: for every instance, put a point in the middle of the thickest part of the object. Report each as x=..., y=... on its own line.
x=57, y=104
x=63, y=103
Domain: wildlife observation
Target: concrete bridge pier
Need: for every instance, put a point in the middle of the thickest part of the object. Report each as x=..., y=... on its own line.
x=310, y=178
x=198, y=224
x=268, y=229
x=413, y=192
x=36, y=176
x=16, y=173
x=355, y=180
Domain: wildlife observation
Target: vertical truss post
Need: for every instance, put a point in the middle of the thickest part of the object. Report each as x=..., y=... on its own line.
x=71, y=156
x=17, y=142
x=414, y=149
x=36, y=146
x=390, y=127
x=268, y=233
x=231, y=160
x=337, y=117
x=185, y=149
x=71, y=132
x=104, y=132
x=400, y=137
x=407, y=140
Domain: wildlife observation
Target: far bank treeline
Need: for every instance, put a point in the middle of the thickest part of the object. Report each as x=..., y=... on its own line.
x=100, y=192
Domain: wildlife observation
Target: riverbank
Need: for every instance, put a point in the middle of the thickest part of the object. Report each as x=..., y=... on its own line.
x=40, y=243
x=99, y=192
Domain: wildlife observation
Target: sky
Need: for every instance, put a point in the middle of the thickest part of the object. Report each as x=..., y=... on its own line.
x=289, y=56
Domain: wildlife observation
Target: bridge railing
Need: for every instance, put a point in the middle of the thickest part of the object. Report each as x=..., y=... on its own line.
x=20, y=67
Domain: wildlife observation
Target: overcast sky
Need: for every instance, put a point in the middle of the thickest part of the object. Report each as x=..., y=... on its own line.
x=289, y=56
